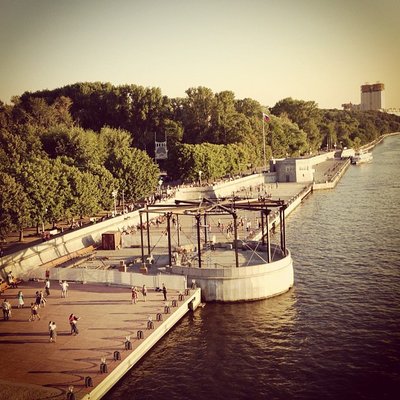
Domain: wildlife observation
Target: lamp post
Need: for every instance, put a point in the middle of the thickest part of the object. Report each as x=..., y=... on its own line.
x=114, y=194
x=160, y=182
x=200, y=173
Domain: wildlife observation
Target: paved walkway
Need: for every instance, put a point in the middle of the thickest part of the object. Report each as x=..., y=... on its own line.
x=33, y=368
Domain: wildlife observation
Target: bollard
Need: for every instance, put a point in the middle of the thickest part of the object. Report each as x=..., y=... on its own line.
x=140, y=334
x=181, y=297
x=187, y=292
x=150, y=325
x=88, y=382
x=128, y=345
x=167, y=310
x=103, y=368
x=70, y=394
x=159, y=317
x=174, y=303
x=117, y=355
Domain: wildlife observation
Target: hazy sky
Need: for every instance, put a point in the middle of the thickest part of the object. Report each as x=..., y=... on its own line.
x=263, y=49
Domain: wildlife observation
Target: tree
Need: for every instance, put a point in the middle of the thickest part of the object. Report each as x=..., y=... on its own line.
x=85, y=192
x=198, y=111
x=136, y=173
x=13, y=206
x=38, y=179
x=303, y=113
x=75, y=143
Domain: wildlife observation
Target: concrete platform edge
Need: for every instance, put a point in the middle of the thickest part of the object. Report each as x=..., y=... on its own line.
x=106, y=384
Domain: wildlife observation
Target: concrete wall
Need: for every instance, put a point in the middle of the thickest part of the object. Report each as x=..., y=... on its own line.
x=331, y=184
x=115, y=277
x=23, y=262
x=243, y=283
x=224, y=188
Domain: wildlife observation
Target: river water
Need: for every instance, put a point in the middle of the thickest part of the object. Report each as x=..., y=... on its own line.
x=335, y=335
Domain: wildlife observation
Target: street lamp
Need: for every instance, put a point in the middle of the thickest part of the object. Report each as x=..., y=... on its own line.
x=200, y=173
x=114, y=194
x=160, y=182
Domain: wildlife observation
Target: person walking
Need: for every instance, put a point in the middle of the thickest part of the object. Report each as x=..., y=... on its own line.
x=134, y=295
x=73, y=322
x=47, y=287
x=42, y=299
x=144, y=292
x=164, y=290
x=20, y=298
x=6, y=306
x=64, y=288
x=34, y=312
x=52, y=331
x=38, y=299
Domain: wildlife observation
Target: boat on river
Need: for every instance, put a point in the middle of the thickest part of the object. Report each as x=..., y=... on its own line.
x=361, y=158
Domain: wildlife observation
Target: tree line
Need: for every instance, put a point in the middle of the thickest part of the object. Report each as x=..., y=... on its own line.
x=65, y=151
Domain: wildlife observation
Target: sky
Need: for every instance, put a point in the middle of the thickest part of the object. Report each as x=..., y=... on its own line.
x=266, y=50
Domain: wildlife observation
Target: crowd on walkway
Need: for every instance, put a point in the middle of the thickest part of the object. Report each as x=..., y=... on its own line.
x=40, y=301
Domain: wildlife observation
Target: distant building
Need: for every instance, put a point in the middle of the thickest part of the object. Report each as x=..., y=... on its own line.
x=351, y=107
x=293, y=169
x=372, y=97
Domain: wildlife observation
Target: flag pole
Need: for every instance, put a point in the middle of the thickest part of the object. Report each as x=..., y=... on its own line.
x=265, y=161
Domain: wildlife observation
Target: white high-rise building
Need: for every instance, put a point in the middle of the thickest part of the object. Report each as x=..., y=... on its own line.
x=372, y=97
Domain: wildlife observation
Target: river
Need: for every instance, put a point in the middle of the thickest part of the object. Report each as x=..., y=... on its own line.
x=335, y=335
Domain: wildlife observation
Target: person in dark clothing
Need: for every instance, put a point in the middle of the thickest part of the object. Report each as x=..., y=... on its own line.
x=164, y=290
x=73, y=321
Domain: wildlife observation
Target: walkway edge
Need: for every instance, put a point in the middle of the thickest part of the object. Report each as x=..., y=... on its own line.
x=106, y=384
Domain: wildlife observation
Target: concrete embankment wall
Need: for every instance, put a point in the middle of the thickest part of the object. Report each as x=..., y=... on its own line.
x=244, y=283
x=115, y=277
x=24, y=263
x=225, y=188
x=334, y=181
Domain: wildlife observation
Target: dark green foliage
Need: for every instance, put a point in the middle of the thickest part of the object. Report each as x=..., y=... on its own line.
x=63, y=152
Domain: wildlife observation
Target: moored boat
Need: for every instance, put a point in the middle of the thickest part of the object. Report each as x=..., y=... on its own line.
x=361, y=158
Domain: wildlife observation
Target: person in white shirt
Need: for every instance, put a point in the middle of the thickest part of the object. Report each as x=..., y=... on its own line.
x=64, y=288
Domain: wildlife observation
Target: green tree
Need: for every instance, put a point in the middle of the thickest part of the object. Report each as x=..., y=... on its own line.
x=198, y=110
x=85, y=192
x=39, y=182
x=75, y=143
x=13, y=206
x=136, y=173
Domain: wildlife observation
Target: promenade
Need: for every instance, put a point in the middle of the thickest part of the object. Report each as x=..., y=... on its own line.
x=34, y=368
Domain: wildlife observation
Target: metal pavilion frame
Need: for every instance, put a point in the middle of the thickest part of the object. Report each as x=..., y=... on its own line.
x=202, y=208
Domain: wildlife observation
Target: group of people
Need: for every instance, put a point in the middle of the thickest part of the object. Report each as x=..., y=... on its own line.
x=135, y=292
x=39, y=302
